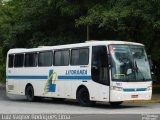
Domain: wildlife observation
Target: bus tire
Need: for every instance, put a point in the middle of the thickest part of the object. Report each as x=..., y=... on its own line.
x=30, y=93
x=83, y=97
x=116, y=104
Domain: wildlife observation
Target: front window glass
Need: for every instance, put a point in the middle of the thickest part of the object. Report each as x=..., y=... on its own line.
x=129, y=62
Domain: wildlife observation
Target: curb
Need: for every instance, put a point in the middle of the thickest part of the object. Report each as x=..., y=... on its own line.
x=143, y=101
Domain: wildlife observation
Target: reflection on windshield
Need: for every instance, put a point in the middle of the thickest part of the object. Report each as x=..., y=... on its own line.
x=129, y=62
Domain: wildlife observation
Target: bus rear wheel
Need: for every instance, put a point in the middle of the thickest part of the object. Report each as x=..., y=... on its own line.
x=83, y=98
x=116, y=104
x=30, y=94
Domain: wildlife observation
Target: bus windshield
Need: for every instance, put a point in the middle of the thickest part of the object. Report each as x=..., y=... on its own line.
x=129, y=63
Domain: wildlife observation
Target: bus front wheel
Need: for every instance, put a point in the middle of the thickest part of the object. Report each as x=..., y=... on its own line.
x=30, y=94
x=83, y=97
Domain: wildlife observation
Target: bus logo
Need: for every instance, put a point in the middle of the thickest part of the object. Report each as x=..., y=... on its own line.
x=50, y=85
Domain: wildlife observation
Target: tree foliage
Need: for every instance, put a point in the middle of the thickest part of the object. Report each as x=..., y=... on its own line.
x=129, y=20
x=30, y=23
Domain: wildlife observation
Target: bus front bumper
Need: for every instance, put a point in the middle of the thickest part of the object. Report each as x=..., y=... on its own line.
x=124, y=96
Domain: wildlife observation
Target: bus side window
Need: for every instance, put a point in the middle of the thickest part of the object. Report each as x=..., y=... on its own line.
x=30, y=59
x=100, y=71
x=65, y=57
x=84, y=56
x=80, y=56
x=57, y=58
x=61, y=58
x=10, y=61
x=19, y=59
x=75, y=57
x=45, y=59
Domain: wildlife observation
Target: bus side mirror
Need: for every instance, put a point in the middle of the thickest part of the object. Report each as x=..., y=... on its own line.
x=150, y=62
x=94, y=67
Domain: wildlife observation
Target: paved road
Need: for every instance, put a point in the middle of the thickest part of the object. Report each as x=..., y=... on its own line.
x=18, y=104
x=101, y=111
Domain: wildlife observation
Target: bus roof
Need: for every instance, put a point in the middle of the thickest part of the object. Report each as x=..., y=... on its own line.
x=87, y=43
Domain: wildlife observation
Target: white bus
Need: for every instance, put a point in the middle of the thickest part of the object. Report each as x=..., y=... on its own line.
x=107, y=71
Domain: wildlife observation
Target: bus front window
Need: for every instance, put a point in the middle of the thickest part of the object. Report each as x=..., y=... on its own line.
x=129, y=63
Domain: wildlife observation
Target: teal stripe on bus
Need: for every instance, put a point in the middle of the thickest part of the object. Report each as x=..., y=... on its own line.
x=75, y=77
x=46, y=77
x=27, y=77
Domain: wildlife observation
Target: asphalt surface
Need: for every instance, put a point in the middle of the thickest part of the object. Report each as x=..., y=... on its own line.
x=19, y=104
x=13, y=104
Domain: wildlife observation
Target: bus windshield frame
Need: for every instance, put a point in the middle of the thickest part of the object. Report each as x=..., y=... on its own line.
x=129, y=63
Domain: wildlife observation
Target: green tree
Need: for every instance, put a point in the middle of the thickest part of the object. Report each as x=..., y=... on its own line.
x=129, y=20
x=30, y=23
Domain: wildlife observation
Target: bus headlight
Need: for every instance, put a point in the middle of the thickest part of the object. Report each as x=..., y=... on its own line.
x=149, y=88
x=116, y=88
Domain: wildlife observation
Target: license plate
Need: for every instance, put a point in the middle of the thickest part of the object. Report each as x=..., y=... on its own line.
x=134, y=96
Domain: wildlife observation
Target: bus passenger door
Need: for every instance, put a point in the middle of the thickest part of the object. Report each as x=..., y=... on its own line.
x=100, y=71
